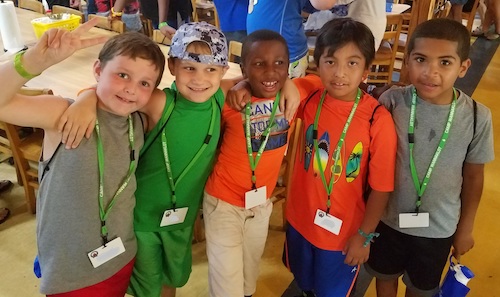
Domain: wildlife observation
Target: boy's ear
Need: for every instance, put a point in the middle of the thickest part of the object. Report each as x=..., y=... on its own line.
x=97, y=70
x=171, y=65
x=365, y=74
x=464, y=66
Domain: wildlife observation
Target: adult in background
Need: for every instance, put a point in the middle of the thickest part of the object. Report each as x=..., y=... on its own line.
x=233, y=18
x=285, y=18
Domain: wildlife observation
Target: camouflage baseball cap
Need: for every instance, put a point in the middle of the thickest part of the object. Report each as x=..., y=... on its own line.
x=203, y=32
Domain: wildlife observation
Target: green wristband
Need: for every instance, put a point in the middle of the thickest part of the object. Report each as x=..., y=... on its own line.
x=369, y=237
x=18, y=65
x=162, y=24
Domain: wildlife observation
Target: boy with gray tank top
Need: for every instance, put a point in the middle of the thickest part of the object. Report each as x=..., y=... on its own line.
x=86, y=243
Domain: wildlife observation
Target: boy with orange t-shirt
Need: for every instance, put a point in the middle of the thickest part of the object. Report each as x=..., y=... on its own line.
x=348, y=144
x=236, y=204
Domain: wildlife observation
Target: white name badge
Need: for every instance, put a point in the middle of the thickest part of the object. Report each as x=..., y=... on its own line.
x=105, y=253
x=327, y=222
x=414, y=220
x=255, y=197
x=171, y=217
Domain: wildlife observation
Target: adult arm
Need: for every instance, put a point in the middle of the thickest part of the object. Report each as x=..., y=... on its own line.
x=165, y=29
x=472, y=188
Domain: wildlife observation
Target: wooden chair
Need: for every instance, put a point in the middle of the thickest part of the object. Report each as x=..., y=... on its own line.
x=26, y=152
x=383, y=64
x=115, y=25
x=282, y=190
x=441, y=9
x=158, y=37
x=208, y=15
x=311, y=67
x=234, y=51
x=147, y=27
x=401, y=44
x=64, y=9
x=32, y=5
x=469, y=16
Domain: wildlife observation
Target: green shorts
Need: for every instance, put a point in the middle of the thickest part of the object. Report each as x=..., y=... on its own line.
x=163, y=258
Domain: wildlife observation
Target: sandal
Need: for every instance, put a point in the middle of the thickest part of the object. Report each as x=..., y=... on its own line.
x=4, y=214
x=493, y=36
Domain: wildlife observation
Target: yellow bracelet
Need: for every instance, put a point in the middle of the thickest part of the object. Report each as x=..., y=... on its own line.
x=18, y=65
x=116, y=14
x=86, y=89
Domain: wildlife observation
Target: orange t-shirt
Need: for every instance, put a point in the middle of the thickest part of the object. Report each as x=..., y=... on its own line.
x=366, y=147
x=231, y=177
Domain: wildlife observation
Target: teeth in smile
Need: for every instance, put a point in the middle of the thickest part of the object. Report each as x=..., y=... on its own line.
x=269, y=83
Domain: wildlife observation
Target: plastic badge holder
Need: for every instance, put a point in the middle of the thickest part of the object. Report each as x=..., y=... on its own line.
x=455, y=281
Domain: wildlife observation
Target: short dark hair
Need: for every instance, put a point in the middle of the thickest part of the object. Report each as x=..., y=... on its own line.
x=341, y=31
x=444, y=29
x=133, y=45
x=261, y=35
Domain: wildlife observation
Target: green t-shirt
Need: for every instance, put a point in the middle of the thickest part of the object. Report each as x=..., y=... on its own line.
x=186, y=129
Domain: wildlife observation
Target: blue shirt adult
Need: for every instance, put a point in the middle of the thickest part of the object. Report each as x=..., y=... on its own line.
x=285, y=18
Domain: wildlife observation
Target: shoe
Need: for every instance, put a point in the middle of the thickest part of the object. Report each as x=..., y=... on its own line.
x=477, y=32
x=4, y=214
x=5, y=185
x=493, y=36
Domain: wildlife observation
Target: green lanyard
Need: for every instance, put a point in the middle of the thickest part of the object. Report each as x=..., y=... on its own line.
x=255, y=161
x=173, y=184
x=104, y=211
x=335, y=156
x=411, y=140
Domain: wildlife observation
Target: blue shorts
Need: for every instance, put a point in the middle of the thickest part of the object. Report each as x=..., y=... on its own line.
x=314, y=269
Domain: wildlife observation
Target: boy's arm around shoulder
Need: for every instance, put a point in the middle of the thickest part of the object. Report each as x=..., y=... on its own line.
x=153, y=110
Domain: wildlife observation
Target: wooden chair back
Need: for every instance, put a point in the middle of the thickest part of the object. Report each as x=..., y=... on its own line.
x=234, y=50
x=115, y=25
x=32, y=5
x=26, y=153
x=64, y=9
x=383, y=64
x=147, y=26
x=282, y=190
x=470, y=15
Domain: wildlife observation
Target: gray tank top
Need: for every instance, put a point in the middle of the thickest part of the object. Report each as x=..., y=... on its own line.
x=68, y=224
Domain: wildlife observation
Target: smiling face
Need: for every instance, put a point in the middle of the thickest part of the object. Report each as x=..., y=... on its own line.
x=433, y=67
x=195, y=81
x=342, y=72
x=266, y=68
x=124, y=85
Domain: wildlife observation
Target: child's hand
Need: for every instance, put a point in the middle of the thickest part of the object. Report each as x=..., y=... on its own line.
x=239, y=95
x=55, y=45
x=290, y=99
x=462, y=242
x=78, y=120
x=355, y=252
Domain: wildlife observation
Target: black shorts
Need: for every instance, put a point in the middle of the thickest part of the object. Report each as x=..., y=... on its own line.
x=420, y=259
